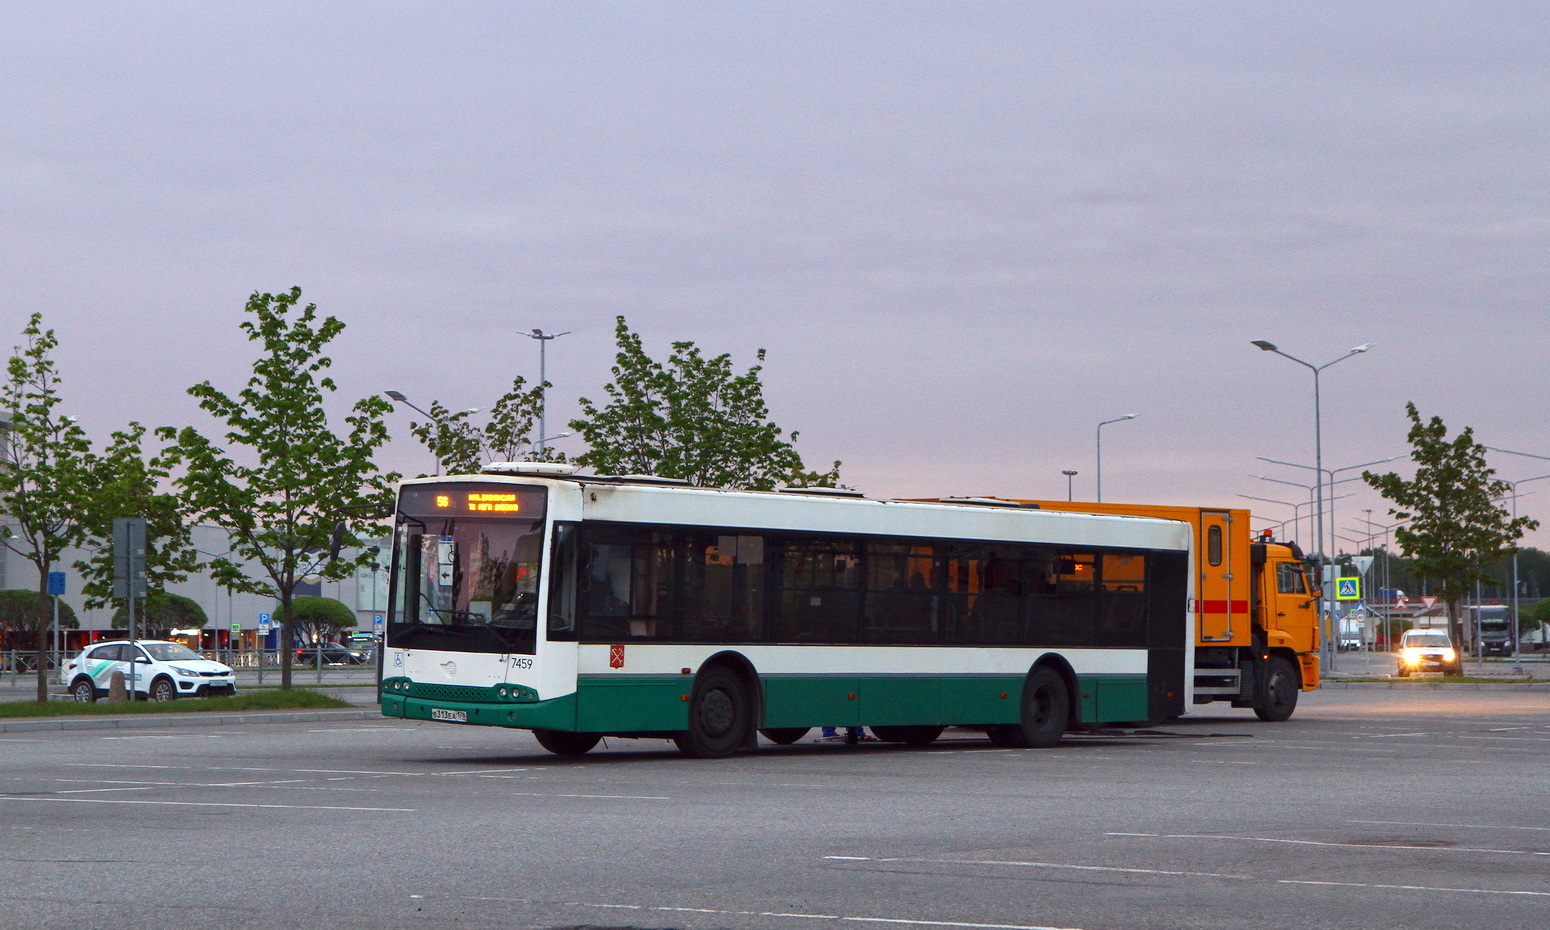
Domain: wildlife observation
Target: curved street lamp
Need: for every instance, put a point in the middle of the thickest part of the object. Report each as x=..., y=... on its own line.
x=1318, y=458
x=1099, y=474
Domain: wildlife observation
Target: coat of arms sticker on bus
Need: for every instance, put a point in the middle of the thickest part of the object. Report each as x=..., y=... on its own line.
x=616, y=656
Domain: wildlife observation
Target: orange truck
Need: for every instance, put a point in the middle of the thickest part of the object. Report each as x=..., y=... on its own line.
x=1256, y=614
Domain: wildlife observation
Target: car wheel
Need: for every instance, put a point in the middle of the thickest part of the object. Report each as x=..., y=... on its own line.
x=84, y=691
x=163, y=690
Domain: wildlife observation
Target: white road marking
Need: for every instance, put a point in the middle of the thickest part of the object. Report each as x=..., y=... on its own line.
x=1536, y=894
x=278, y=807
x=1466, y=826
x=899, y=921
x=606, y=797
x=1043, y=865
x=170, y=736
x=1271, y=839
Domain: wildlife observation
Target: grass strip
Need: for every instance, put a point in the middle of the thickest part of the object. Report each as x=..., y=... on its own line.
x=295, y=699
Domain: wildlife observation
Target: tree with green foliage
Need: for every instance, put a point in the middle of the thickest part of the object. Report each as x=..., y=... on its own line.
x=461, y=448
x=692, y=418
x=45, y=478
x=297, y=478
x=320, y=619
x=125, y=483
x=161, y=612
x=1455, y=524
x=19, y=611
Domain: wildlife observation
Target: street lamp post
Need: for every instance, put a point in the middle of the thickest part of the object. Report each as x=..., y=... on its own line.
x=1318, y=431
x=543, y=384
x=1099, y=473
x=1069, y=473
x=400, y=398
x=1318, y=460
x=1327, y=477
x=1320, y=474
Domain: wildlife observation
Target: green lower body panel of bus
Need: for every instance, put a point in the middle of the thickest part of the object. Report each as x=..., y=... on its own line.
x=638, y=704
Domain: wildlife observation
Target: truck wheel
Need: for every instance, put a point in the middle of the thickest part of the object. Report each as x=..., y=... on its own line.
x=1281, y=687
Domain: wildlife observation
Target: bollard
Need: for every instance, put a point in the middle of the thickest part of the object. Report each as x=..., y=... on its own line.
x=117, y=694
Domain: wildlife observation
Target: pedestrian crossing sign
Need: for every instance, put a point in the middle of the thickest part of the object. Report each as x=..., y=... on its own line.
x=1348, y=589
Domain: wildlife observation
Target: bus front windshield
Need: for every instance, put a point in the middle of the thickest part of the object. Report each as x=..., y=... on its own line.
x=466, y=563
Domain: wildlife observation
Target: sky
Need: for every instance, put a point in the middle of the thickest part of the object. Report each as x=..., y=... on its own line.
x=965, y=233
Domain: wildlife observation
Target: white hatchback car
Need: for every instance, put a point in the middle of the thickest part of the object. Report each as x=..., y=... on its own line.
x=163, y=671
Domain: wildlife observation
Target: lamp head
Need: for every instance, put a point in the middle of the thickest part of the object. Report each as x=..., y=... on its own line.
x=1265, y=346
x=1361, y=348
x=396, y=395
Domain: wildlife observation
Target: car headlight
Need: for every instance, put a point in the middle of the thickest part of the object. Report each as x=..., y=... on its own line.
x=185, y=672
x=1448, y=655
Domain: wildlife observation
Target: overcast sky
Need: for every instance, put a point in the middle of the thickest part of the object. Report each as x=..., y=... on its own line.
x=965, y=233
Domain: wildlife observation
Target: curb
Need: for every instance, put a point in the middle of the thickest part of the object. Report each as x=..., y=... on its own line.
x=1518, y=685
x=173, y=721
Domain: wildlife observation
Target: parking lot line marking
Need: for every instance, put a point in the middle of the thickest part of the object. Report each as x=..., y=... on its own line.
x=604, y=797
x=1467, y=826
x=1536, y=894
x=898, y=921
x=276, y=807
x=1041, y=865
x=1290, y=842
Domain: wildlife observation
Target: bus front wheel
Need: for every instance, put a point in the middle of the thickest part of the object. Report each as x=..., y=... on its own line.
x=718, y=715
x=563, y=743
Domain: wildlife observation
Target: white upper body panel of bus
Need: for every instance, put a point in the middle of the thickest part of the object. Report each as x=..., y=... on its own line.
x=583, y=497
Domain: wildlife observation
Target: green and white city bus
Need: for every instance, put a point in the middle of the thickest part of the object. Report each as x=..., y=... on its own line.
x=581, y=607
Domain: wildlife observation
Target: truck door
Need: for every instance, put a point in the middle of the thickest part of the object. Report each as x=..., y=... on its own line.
x=1295, y=613
x=1222, y=599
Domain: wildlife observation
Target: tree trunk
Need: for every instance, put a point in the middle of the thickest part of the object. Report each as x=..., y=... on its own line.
x=287, y=634
x=44, y=622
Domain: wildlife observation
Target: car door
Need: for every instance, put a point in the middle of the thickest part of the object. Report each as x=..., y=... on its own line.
x=102, y=662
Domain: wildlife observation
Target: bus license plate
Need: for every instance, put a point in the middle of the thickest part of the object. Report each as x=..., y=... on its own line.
x=457, y=716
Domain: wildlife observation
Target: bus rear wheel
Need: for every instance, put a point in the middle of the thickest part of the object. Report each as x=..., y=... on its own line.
x=564, y=743
x=784, y=736
x=718, y=715
x=921, y=735
x=1280, y=691
x=1046, y=710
